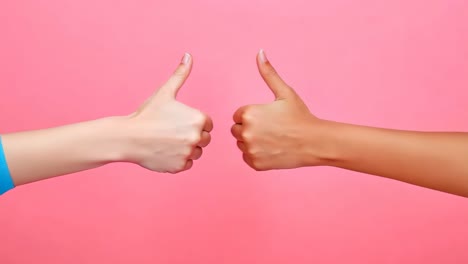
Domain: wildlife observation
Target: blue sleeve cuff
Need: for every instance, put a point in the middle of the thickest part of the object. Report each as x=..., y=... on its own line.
x=6, y=183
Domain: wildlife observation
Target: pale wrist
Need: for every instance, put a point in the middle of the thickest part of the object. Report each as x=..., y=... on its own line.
x=112, y=139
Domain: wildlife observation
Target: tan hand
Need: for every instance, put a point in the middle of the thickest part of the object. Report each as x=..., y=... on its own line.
x=271, y=136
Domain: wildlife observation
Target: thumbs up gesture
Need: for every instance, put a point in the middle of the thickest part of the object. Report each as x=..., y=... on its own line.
x=274, y=135
x=166, y=135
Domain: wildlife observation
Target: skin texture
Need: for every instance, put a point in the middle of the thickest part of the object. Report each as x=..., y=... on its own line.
x=284, y=134
x=163, y=135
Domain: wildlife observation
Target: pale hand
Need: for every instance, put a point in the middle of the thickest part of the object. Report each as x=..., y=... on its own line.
x=166, y=135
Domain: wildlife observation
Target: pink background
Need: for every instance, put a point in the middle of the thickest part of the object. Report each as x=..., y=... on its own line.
x=399, y=64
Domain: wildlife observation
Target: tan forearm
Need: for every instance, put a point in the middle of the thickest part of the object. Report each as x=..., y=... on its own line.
x=434, y=160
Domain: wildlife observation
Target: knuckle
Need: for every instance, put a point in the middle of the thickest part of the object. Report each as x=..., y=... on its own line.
x=178, y=167
x=249, y=115
x=191, y=138
x=247, y=136
x=258, y=165
x=185, y=152
x=171, y=170
x=181, y=166
x=243, y=113
x=252, y=152
x=194, y=138
x=199, y=119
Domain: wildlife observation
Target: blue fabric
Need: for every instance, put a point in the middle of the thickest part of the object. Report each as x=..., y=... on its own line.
x=6, y=183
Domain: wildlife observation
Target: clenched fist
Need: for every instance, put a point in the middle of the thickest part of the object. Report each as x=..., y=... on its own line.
x=276, y=135
x=166, y=135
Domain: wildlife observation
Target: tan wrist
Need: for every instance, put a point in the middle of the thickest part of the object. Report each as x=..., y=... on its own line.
x=321, y=139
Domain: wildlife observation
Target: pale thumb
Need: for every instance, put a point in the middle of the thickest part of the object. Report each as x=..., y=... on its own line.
x=176, y=81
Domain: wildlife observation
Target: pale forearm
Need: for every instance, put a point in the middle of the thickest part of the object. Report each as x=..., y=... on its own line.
x=41, y=154
x=434, y=160
x=162, y=135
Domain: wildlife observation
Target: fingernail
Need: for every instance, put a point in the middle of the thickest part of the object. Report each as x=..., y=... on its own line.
x=186, y=59
x=262, y=56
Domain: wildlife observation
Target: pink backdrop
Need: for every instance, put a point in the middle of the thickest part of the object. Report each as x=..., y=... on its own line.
x=400, y=64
